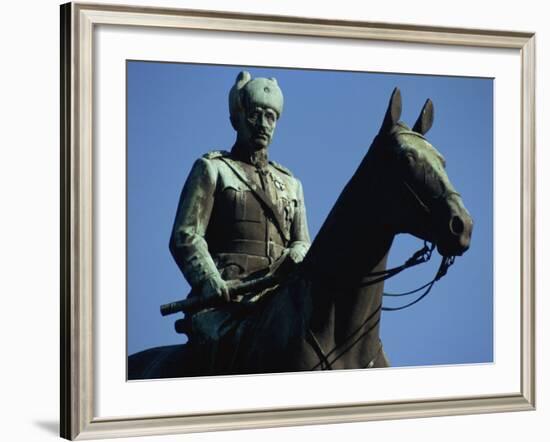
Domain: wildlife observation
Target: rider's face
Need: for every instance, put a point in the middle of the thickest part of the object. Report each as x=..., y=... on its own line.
x=257, y=126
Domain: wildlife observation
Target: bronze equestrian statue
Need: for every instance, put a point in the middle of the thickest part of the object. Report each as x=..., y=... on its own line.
x=262, y=299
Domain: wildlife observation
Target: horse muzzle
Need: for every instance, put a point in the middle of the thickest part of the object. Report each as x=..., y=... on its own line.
x=456, y=234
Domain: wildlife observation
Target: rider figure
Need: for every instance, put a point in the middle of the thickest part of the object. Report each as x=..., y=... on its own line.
x=238, y=213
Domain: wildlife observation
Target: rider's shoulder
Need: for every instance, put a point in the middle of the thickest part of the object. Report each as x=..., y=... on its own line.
x=216, y=154
x=281, y=168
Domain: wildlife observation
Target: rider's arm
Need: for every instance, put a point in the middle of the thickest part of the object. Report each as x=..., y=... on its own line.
x=299, y=232
x=187, y=243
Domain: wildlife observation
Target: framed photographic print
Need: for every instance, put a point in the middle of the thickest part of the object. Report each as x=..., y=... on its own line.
x=349, y=206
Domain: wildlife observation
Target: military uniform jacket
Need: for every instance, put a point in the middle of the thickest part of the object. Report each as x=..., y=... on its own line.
x=233, y=219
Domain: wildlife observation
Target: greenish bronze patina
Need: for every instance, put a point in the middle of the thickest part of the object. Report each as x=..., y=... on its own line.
x=263, y=299
x=238, y=212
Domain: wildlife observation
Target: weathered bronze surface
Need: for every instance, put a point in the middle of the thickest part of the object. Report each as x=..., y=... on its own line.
x=238, y=213
x=265, y=302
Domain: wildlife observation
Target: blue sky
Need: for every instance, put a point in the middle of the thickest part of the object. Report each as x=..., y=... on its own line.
x=177, y=112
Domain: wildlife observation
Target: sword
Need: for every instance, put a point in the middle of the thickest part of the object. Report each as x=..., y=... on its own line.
x=192, y=304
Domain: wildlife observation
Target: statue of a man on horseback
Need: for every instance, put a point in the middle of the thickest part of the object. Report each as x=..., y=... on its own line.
x=239, y=213
x=263, y=300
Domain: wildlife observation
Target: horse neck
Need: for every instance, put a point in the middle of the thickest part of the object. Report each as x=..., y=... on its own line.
x=353, y=242
x=355, y=238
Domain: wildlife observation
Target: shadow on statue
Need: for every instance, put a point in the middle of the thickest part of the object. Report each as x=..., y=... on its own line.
x=315, y=307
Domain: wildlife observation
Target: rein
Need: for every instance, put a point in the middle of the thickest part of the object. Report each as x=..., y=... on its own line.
x=420, y=256
x=446, y=262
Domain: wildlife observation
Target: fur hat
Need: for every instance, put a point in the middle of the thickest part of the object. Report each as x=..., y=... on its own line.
x=261, y=91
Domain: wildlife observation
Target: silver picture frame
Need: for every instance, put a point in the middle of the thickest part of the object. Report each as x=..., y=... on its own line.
x=78, y=21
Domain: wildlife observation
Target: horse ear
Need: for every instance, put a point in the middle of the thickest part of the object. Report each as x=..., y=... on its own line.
x=425, y=119
x=394, y=111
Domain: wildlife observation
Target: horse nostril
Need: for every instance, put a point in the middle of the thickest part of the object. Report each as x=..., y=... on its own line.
x=456, y=225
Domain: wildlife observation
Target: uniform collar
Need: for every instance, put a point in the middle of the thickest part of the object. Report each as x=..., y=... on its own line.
x=258, y=159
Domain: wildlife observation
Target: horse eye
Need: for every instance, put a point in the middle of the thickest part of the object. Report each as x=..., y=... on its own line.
x=410, y=159
x=437, y=187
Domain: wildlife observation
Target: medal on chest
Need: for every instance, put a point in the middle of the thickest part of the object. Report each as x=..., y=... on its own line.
x=279, y=185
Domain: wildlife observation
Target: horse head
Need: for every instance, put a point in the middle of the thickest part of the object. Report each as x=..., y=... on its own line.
x=423, y=202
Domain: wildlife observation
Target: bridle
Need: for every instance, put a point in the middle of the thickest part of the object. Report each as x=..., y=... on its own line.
x=421, y=256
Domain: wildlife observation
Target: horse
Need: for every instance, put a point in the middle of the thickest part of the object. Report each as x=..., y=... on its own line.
x=326, y=314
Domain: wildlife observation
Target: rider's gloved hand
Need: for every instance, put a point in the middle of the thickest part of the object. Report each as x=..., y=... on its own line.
x=297, y=251
x=289, y=260
x=215, y=287
x=295, y=255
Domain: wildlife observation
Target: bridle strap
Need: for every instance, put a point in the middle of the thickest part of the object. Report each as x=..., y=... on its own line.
x=420, y=256
x=355, y=335
x=446, y=262
x=444, y=195
x=312, y=340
